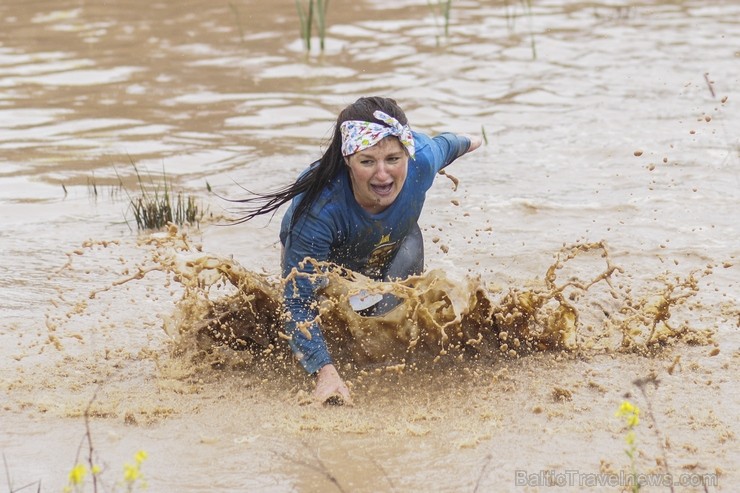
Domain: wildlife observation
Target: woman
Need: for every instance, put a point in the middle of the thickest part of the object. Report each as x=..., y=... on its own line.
x=356, y=207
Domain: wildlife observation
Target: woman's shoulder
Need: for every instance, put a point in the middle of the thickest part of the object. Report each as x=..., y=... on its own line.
x=425, y=151
x=428, y=149
x=332, y=199
x=326, y=203
x=421, y=140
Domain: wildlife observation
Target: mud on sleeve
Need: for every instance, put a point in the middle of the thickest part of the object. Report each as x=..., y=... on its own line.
x=312, y=239
x=310, y=350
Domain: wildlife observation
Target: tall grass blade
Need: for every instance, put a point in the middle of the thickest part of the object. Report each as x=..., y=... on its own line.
x=309, y=21
x=235, y=11
x=441, y=9
x=308, y=14
x=92, y=186
x=446, y=12
x=323, y=6
x=528, y=5
x=305, y=19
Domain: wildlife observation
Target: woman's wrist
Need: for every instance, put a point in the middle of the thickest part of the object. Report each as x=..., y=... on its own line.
x=327, y=369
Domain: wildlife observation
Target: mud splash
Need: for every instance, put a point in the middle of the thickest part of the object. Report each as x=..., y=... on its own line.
x=584, y=301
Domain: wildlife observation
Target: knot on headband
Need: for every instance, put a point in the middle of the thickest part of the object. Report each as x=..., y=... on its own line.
x=358, y=135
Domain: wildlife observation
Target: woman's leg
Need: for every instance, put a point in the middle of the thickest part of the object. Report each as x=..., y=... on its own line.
x=408, y=261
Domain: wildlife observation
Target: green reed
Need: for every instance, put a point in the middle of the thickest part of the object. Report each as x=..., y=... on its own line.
x=237, y=16
x=441, y=9
x=315, y=11
x=94, y=189
x=511, y=20
x=92, y=186
x=154, y=209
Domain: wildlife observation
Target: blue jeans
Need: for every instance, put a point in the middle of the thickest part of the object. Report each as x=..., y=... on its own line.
x=408, y=261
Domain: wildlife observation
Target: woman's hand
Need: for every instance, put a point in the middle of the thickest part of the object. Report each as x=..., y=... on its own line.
x=475, y=142
x=330, y=388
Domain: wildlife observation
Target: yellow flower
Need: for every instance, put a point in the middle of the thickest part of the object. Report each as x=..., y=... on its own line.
x=140, y=456
x=96, y=470
x=131, y=473
x=625, y=408
x=630, y=412
x=77, y=474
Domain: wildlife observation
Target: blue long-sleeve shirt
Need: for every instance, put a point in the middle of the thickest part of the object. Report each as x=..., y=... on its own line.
x=336, y=229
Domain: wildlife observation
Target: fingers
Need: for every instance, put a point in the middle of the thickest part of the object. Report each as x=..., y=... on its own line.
x=338, y=400
x=475, y=142
x=330, y=388
x=334, y=400
x=333, y=396
x=344, y=394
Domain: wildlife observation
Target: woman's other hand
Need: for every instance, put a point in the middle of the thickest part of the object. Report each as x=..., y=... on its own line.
x=475, y=142
x=330, y=388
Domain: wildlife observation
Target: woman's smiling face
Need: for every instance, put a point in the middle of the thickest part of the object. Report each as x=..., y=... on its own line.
x=378, y=174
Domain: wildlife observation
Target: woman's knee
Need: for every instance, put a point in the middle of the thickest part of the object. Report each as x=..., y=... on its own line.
x=409, y=260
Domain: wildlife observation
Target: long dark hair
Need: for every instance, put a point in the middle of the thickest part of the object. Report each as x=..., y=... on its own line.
x=313, y=181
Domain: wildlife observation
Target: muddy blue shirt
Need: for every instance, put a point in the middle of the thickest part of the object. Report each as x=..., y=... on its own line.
x=336, y=229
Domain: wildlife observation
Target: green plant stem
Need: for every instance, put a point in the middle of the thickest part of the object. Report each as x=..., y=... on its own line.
x=235, y=11
x=304, y=25
x=323, y=5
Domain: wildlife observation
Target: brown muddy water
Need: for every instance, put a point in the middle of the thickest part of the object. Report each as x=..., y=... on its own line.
x=608, y=121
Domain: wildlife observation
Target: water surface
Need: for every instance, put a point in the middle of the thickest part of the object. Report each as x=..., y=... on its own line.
x=223, y=95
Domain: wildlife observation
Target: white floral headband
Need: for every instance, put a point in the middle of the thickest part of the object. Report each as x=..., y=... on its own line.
x=358, y=135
